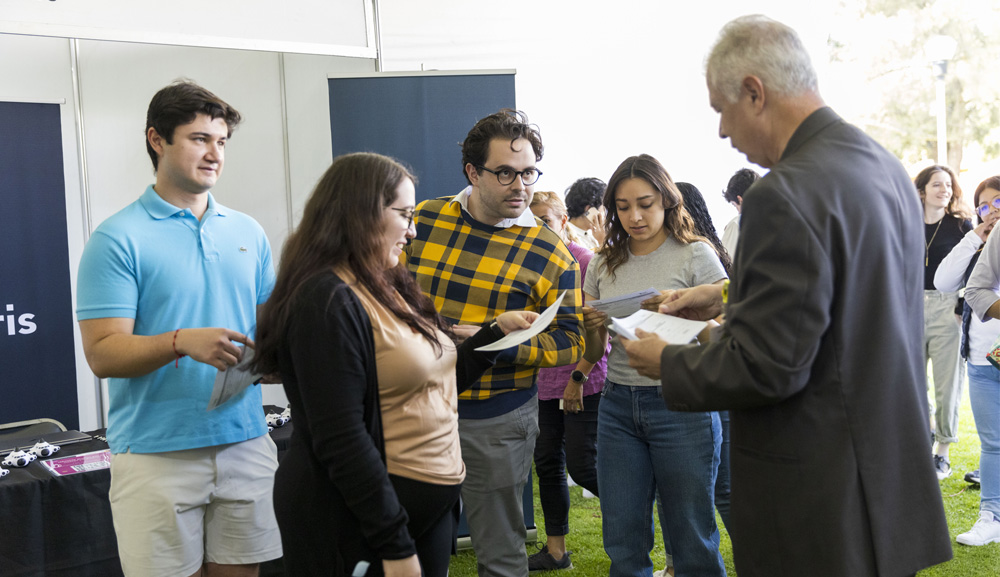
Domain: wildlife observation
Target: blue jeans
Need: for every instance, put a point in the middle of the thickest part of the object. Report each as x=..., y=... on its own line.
x=722, y=480
x=643, y=450
x=984, y=394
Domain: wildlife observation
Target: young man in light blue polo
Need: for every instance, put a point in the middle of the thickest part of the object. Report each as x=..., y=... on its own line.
x=168, y=290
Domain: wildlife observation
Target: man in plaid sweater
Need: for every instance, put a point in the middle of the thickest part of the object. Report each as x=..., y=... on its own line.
x=479, y=254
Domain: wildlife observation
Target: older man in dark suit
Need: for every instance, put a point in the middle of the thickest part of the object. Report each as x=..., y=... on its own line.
x=820, y=356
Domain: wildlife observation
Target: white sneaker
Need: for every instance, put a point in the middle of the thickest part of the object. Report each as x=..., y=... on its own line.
x=986, y=530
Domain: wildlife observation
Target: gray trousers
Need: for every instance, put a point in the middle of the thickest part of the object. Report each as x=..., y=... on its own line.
x=942, y=338
x=497, y=454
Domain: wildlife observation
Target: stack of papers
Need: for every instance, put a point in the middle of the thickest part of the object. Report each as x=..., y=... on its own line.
x=623, y=305
x=674, y=330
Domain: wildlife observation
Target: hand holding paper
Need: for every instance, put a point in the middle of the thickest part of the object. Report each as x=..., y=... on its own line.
x=623, y=305
x=232, y=381
x=671, y=329
x=517, y=337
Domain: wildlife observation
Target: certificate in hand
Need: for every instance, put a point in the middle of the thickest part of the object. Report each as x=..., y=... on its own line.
x=232, y=381
x=517, y=337
x=674, y=330
x=624, y=305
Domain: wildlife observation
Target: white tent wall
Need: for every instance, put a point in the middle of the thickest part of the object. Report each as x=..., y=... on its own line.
x=603, y=80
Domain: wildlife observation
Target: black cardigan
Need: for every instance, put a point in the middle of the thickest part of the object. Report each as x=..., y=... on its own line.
x=328, y=369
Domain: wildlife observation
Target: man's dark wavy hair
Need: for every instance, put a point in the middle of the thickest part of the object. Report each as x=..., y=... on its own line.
x=178, y=104
x=507, y=124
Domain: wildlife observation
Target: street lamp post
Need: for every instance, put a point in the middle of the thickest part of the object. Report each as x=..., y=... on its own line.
x=940, y=50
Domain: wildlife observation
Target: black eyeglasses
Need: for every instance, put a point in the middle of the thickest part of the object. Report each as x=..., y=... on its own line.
x=984, y=208
x=408, y=214
x=506, y=176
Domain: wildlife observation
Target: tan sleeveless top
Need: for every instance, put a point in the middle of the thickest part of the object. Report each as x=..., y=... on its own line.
x=418, y=398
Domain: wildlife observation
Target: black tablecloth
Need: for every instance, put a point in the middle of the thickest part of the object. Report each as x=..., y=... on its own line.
x=58, y=526
x=61, y=526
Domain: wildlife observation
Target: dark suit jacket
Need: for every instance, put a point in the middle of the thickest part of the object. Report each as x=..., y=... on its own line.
x=821, y=361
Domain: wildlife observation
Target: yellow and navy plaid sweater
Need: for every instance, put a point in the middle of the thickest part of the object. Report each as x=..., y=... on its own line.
x=473, y=272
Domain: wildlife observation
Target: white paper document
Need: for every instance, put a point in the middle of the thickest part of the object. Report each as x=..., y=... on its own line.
x=674, y=330
x=517, y=337
x=624, y=305
x=232, y=381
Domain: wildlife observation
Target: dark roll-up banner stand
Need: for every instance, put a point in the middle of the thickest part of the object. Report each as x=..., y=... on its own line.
x=422, y=120
x=418, y=118
x=37, y=358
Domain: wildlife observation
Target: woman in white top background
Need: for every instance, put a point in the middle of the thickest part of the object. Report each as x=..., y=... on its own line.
x=973, y=262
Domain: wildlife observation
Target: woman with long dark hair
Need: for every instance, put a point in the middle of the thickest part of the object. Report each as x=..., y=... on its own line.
x=694, y=203
x=643, y=448
x=945, y=223
x=374, y=470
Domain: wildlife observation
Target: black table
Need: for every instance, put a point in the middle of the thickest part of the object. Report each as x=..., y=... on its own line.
x=61, y=526
x=58, y=526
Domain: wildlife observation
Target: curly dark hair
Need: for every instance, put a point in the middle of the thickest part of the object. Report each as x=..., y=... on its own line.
x=507, y=124
x=694, y=202
x=739, y=183
x=583, y=194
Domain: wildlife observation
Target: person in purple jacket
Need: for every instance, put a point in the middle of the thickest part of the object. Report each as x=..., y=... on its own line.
x=568, y=398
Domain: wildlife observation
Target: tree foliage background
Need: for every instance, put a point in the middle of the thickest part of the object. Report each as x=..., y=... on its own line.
x=884, y=42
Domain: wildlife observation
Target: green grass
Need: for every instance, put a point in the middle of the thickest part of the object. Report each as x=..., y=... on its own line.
x=961, y=505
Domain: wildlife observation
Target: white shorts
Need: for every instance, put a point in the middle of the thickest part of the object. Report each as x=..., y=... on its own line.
x=177, y=510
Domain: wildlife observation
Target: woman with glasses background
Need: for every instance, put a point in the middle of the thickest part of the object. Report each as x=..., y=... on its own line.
x=977, y=340
x=945, y=223
x=374, y=470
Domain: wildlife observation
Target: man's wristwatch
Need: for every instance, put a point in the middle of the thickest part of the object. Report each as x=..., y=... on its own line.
x=578, y=377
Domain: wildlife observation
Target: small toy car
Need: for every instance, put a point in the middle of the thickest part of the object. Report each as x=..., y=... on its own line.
x=276, y=420
x=43, y=449
x=3, y=473
x=19, y=459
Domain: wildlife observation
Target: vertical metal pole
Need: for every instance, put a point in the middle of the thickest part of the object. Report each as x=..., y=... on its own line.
x=284, y=140
x=940, y=70
x=942, y=123
x=81, y=157
x=378, y=37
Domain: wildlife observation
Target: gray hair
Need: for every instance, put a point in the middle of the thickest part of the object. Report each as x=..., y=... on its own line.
x=756, y=45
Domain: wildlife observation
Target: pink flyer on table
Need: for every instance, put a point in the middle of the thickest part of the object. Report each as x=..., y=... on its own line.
x=95, y=461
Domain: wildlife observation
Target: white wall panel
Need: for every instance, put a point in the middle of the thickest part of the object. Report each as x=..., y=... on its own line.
x=308, y=115
x=341, y=27
x=119, y=79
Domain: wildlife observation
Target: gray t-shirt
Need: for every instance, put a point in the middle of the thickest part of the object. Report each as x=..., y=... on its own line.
x=673, y=265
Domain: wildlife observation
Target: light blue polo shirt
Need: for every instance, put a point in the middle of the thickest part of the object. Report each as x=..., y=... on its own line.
x=157, y=264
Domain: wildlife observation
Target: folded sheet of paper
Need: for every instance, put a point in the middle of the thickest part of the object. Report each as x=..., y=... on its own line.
x=232, y=381
x=674, y=330
x=517, y=337
x=624, y=305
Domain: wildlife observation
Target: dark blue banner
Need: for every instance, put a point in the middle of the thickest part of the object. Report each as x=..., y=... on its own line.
x=420, y=120
x=37, y=359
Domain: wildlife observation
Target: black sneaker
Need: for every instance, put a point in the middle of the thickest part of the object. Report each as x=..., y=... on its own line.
x=942, y=466
x=543, y=561
x=972, y=477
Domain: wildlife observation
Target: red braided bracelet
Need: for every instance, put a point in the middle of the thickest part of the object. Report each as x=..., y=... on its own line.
x=179, y=356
